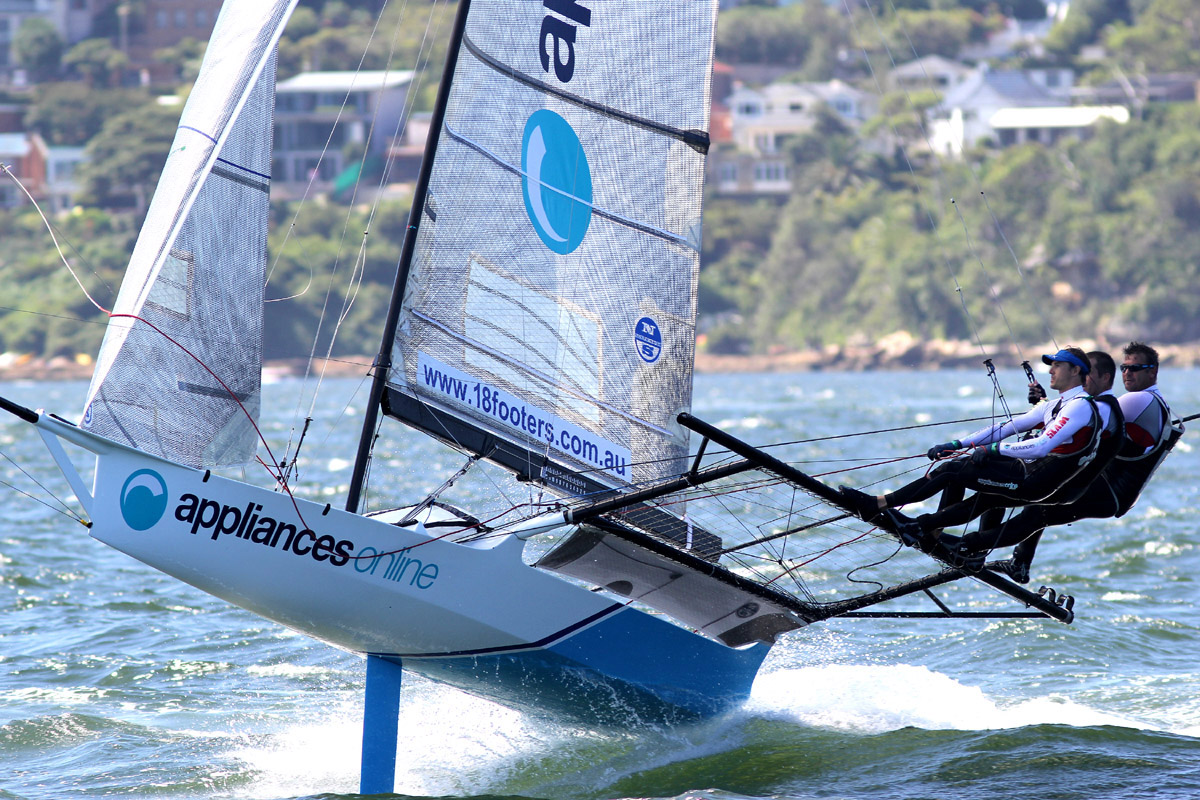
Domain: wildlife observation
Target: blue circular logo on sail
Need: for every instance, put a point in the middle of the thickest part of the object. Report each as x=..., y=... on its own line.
x=143, y=499
x=647, y=337
x=556, y=181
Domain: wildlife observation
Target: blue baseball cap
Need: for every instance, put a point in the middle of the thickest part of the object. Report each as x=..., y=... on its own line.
x=1070, y=358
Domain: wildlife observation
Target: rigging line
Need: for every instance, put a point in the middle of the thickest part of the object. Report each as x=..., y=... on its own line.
x=970, y=169
x=341, y=241
x=67, y=513
x=79, y=256
x=410, y=102
x=1031, y=296
x=50, y=229
x=912, y=171
x=441, y=536
x=300, y=206
x=48, y=315
x=728, y=453
x=359, y=272
x=798, y=529
x=154, y=328
x=420, y=72
x=449, y=435
x=871, y=581
x=277, y=475
x=65, y=510
x=987, y=279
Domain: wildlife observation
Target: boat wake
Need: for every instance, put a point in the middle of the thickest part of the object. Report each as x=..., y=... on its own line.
x=452, y=743
x=879, y=699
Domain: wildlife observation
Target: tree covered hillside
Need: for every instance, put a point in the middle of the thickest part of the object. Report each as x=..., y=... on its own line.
x=1095, y=239
x=1082, y=239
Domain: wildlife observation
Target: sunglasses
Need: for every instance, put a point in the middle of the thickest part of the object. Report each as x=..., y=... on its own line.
x=1136, y=367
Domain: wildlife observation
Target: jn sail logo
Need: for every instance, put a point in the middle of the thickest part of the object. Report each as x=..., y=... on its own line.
x=647, y=336
x=143, y=499
x=557, y=181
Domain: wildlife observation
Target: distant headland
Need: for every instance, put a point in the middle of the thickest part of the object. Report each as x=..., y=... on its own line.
x=897, y=351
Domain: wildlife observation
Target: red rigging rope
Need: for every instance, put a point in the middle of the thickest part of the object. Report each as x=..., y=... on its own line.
x=274, y=470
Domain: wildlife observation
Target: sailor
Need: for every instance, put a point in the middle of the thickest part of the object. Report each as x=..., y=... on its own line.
x=1150, y=434
x=1003, y=474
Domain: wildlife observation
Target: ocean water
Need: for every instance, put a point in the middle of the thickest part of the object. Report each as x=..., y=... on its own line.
x=116, y=681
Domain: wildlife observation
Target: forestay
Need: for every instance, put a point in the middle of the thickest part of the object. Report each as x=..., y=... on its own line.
x=193, y=291
x=551, y=298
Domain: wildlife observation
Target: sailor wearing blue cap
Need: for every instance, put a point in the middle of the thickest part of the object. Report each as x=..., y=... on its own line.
x=1005, y=474
x=1071, y=358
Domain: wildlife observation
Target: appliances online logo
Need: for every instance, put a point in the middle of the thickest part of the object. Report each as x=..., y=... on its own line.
x=144, y=500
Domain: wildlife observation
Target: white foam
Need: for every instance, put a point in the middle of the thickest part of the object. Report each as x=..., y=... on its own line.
x=877, y=699
x=437, y=753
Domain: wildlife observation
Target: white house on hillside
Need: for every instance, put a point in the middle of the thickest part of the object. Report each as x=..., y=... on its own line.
x=318, y=113
x=1049, y=124
x=929, y=72
x=964, y=116
x=762, y=121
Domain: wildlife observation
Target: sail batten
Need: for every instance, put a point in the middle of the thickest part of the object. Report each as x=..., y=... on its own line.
x=551, y=293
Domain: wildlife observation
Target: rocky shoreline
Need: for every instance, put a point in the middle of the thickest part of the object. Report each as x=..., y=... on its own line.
x=894, y=352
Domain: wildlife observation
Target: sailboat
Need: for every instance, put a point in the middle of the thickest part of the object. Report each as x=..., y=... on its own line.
x=543, y=321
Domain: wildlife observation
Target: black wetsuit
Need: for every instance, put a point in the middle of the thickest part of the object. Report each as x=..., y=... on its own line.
x=1149, y=436
x=1021, y=472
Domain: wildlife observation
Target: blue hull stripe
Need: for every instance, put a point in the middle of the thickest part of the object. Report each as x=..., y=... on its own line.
x=629, y=668
x=510, y=648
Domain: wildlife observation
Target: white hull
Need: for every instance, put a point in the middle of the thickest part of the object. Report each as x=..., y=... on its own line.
x=472, y=614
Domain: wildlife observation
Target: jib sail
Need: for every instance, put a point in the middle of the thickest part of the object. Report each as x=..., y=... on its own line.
x=179, y=372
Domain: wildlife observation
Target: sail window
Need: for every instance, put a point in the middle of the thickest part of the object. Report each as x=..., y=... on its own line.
x=172, y=290
x=533, y=332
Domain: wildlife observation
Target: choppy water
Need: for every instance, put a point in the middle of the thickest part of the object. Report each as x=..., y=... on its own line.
x=116, y=681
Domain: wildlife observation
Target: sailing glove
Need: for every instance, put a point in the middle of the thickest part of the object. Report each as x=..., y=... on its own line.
x=939, y=451
x=1036, y=393
x=982, y=454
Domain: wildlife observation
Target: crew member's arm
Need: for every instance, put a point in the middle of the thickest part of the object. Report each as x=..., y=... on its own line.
x=1074, y=417
x=1031, y=419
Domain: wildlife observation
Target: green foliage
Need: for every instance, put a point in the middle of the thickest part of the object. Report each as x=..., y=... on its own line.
x=805, y=35
x=97, y=62
x=39, y=48
x=186, y=56
x=126, y=157
x=1166, y=38
x=1085, y=24
x=72, y=113
x=942, y=33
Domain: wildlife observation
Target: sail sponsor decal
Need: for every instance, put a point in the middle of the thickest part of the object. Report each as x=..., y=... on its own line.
x=249, y=523
x=556, y=181
x=558, y=34
x=397, y=566
x=647, y=336
x=143, y=499
x=512, y=412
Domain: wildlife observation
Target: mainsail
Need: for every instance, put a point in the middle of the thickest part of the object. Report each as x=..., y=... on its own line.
x=179, y=372
x=550, y=305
